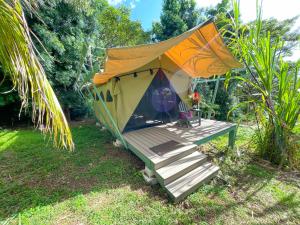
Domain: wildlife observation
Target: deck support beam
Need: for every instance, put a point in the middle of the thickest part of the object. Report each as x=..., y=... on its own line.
x=149, y=176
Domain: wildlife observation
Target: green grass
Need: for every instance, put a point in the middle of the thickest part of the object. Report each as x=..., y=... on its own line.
x=100, y=184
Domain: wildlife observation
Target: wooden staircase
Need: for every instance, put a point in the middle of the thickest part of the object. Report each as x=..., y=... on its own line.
x=184, y=173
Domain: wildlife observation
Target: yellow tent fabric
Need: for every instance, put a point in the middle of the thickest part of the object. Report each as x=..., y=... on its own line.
x=129, y=90
x=200, y=52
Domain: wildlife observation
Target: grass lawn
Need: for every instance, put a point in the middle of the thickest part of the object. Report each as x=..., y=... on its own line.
x=101, y=184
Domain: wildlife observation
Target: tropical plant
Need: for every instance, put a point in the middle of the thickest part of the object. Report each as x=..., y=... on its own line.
x=19, y=62
x=271, y=86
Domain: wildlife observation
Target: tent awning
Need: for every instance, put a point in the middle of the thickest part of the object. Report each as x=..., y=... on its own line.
x=200, y=52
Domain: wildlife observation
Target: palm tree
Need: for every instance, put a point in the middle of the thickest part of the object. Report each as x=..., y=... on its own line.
x=19, y=61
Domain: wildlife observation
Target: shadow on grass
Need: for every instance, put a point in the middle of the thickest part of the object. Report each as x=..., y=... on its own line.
x=34, y=174
x=250, y=197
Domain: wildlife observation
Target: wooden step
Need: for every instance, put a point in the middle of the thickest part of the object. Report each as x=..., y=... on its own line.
x=161, y=161
x=188, y=183
x=180, y=167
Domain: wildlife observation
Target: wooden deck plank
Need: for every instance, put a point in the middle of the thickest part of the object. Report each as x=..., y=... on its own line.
x=196, y=133
x=144, y=139
x=141, y=138
x=139, y=145
x=145, y=133
x=169, y=134
x=154, y=136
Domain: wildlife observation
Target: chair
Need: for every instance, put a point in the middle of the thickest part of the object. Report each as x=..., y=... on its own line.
x=185, y=114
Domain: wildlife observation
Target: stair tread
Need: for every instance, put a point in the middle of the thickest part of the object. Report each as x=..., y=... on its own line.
x=158, y=159
x=191, y=179
x=180, y=164
x=172, y=156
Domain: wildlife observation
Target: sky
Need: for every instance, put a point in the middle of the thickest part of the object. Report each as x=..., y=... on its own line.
x=148, y=11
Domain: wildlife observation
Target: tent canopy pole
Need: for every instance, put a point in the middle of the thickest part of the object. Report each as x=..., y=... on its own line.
x=110, y=117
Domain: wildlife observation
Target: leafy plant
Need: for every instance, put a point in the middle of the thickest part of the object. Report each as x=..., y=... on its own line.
x=271, y=86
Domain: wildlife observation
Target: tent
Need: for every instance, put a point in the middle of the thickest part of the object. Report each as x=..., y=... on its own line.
x=142, y=85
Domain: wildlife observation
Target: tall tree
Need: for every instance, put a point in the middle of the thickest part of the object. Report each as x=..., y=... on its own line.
x=64, y=30
x=220, y=8
x=177, y=17
x=283, y=30
x=117, y=29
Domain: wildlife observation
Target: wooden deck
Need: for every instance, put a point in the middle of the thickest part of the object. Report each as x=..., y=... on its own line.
x=170, y=154
x=145, y=139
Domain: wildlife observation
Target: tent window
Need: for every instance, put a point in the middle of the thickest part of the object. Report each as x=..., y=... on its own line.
x=102, y=95
x=108, y=96
x=96, y=97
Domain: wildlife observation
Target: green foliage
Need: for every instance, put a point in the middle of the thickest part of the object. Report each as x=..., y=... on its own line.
x=73, y=42
x=224, y=100
x=222, y=7
x=9, y=101
x=117, y=29
x=284, y=30
x=7, y=95
x=272, y=87
x=177, y=17
x=63, y=31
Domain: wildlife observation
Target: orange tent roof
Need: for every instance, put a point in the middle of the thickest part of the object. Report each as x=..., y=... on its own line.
x=200, y=52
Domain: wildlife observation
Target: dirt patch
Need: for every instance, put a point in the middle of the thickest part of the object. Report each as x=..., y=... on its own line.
x=292, y=177
x=121, y=153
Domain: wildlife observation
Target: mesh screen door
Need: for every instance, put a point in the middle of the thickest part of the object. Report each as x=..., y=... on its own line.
x=158, y=105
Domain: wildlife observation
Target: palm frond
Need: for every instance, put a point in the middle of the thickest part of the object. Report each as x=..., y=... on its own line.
x=19, y=61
